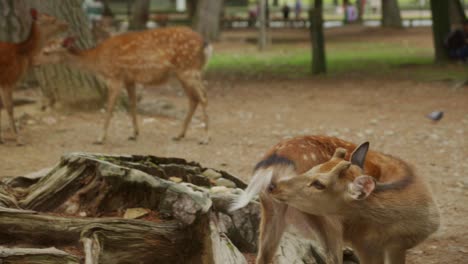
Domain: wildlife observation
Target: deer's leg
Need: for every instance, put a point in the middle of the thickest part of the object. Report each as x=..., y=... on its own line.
x=113, y=88
x=370, y=254
x=7, y=99
x=1, y=137
x=131, y=91
x=395, y=256
x=327, y=231
x=272, y=226
x=196, y=92
x=193, y=103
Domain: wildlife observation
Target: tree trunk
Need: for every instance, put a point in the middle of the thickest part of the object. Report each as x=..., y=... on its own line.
x=107, y=10
x=319, y=64
x=135, y=209
x=14, y=23
x=262, y=25
x=360, y=11
x=65, y=84
x=191, y=9
x=207, y=18
x=440, y=28
x=140, y=15
x=456, y=12
x=391, y=16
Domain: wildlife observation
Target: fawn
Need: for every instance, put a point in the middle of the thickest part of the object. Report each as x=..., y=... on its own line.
x=16, y=58
x=367, y=199
x=145, y=57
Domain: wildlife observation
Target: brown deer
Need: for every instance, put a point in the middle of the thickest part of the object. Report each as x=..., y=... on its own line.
x=370, y=200
x=145, y=57
x=16, y=58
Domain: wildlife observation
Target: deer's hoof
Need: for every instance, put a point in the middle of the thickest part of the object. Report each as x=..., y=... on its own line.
x=178, y=138
x=204, y=141
x=98, y=142
x=132, y=138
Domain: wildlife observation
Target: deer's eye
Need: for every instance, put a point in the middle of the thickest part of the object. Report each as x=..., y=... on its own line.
x=317, y=185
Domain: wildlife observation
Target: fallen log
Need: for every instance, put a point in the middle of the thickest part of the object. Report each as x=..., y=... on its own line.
x=36, y=256
x=85, y=202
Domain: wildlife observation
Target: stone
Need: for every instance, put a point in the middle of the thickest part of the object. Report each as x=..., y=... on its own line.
x=219, y=189
x=211, y=174
x=135, y=213
x=50, y=120
x=175, y=179
x=225, y=182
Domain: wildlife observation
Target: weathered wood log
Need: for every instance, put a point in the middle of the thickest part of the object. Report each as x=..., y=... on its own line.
x=36, y=256
x=185, y=217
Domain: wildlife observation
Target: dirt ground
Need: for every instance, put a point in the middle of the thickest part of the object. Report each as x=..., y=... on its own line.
x=249, y=116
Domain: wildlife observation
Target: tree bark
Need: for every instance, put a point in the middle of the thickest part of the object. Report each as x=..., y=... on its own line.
x=440, y=28
x=456, y=12
x=14, y=23
x=192, y=9
x=207, y=18
x=360, y=10
x=319, y=64
x=262, y=25
x=64, y=84
x=140, y=15
x=391, y=16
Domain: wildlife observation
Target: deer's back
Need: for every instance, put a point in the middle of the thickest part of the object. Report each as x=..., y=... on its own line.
x=152, y=51
x=305, y=152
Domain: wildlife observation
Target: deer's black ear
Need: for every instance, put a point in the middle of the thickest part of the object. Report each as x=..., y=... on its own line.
x=358, y=157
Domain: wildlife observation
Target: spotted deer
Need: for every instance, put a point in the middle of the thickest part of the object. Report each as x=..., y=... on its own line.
x=16, y=58
x=368, y=200
x=145, y=57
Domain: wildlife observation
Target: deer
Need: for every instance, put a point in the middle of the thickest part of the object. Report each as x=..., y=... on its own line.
x=17, y=58
x=340, y=194
x=144, y=57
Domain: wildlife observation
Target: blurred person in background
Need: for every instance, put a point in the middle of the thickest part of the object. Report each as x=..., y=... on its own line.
x=94, y=9
x=298, y=8
x=456, y=43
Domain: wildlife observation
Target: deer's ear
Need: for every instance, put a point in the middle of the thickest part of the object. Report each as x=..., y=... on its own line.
x=361, y=187
x=34, y=13
x=358, y=157
x=68, y=42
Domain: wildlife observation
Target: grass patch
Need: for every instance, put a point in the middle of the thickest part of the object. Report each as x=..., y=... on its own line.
x=343, y=59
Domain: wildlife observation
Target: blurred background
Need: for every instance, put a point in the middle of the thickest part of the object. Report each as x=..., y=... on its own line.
x=376, y=70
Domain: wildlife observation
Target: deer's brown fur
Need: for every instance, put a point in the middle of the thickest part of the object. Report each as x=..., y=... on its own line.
x=145, y=57
x=16, y=58
x=379, y=224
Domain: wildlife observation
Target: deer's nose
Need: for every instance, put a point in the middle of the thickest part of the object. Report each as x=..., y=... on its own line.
x=271, y=187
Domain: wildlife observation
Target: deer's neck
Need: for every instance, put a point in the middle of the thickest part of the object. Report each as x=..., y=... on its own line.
x=391, y=200
x=33, y=43
x=82, y=59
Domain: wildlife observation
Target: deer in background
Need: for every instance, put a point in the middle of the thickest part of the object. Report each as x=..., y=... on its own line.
x=16, y=58
x=367, y=199
x=145, y=57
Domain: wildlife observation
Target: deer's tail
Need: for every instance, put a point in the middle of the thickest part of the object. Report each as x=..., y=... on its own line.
x=259, y=182
x=207, y=52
